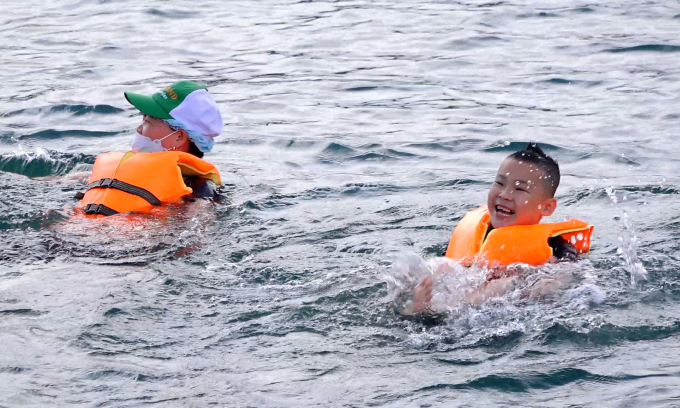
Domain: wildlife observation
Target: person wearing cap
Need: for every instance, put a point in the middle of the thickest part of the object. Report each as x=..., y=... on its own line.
x=182, y=116
x=165, y=163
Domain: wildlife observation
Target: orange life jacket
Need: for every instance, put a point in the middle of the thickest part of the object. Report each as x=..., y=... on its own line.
x=528, y=244
x=124, y=182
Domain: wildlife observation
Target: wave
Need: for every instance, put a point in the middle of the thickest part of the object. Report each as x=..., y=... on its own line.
x=451, y=145
x=336, y=152
x=565, y=81
x=607, y=334
x=173, y=13
x=506, y=146
x=534, y=381
x=44, y=163
x=646, y=48
x=75, y=109
x=58, y=134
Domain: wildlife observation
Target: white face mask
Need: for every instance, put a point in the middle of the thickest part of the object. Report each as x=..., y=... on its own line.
x=144, y=144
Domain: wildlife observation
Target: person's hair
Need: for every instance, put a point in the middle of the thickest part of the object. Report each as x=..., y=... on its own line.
x=534, y=154
x=193, y=149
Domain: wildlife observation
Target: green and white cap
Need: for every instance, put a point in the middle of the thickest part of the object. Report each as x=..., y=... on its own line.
x=188, y=103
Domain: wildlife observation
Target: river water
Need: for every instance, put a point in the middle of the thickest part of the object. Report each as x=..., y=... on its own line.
x=357, y=133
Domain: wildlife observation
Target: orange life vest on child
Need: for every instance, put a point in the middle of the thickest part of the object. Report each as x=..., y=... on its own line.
x=124, y=182
x=528, y=244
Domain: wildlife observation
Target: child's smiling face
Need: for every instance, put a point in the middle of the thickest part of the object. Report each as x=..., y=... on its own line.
x=519, y=195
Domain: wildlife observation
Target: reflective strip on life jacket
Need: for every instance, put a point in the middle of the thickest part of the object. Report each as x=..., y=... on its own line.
x=128, y=188
x=528, y=244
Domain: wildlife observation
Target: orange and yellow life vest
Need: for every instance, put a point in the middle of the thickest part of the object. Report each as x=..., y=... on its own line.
x=125, y=182
x=528, y=244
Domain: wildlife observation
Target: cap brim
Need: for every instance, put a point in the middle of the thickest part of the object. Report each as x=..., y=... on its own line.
x=147, y=105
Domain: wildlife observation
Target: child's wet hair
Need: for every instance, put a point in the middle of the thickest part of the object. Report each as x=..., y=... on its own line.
x=534, y=154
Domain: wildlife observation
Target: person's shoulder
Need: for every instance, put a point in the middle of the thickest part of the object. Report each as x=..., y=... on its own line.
x=203, y=188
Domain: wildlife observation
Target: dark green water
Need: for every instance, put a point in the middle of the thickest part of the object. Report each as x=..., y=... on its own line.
x=357, y=133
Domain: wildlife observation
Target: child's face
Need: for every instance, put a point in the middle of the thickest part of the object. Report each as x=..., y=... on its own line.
x=518, y=196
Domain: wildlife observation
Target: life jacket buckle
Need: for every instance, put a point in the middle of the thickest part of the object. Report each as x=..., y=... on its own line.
x=106, y=182
x=99, y=209
x=93, y=208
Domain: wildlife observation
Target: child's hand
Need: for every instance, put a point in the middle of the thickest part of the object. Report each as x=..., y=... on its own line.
x=422, y=295
x=543, y=287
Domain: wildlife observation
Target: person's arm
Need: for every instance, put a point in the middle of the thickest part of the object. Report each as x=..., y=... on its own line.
x=544, y=286
x=416, y=301
x=202, y=188
x=563, y=251
x=490, y=289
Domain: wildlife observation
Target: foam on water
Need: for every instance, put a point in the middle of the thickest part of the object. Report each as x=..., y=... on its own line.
x=566, y=286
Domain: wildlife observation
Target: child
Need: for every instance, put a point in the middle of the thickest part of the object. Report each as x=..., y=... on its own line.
x=507, y=231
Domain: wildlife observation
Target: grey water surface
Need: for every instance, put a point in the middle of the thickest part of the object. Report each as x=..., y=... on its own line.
x=355, y=132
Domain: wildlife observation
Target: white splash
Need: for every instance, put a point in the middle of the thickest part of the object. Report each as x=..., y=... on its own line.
x=582, y=296
x=628, y=244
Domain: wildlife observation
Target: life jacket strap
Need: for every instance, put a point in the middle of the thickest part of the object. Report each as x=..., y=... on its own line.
x=128, y=188
x=99, y=209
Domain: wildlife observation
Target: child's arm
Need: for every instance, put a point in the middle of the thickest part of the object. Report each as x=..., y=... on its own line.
x=416, y=302
x=562, y=250
x=543, y=286
x=493, y=288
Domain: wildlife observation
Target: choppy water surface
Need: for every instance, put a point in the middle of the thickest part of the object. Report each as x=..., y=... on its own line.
x=357, y=133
